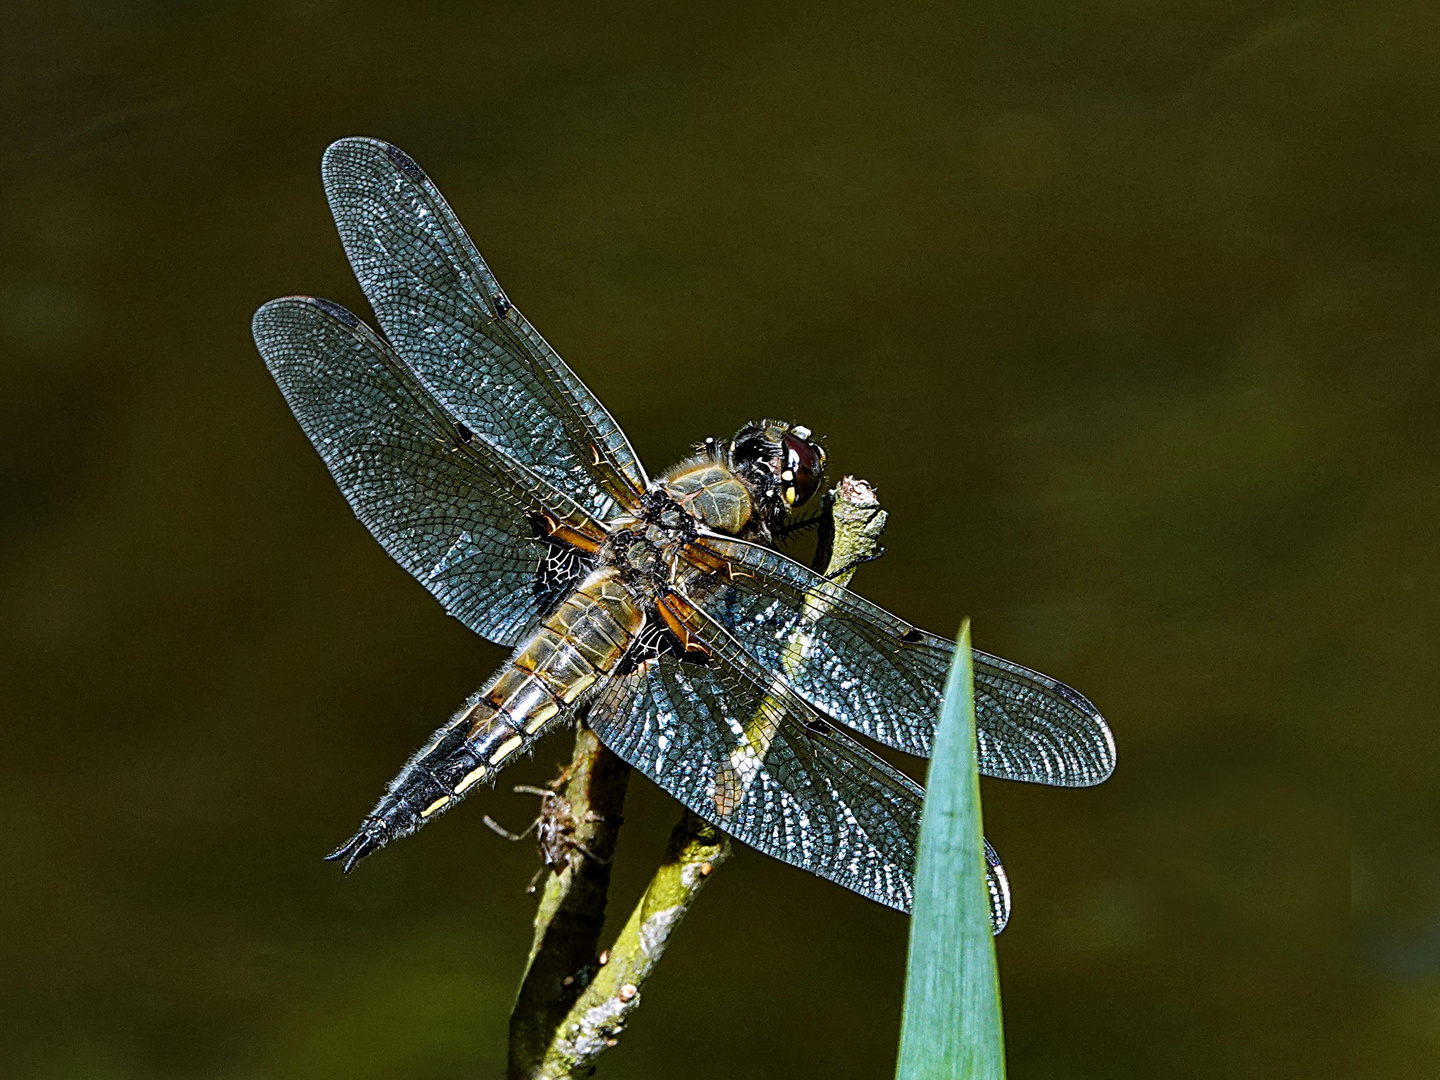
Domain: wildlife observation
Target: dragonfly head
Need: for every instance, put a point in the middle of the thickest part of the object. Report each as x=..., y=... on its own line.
x=783, y=463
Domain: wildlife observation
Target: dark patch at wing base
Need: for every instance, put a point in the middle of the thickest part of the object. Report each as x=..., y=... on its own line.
x=561, y=566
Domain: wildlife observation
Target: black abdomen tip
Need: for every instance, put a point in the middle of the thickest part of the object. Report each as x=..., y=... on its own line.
x=354, y=849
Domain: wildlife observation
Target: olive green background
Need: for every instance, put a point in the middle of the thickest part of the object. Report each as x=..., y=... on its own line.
x=1130, y=311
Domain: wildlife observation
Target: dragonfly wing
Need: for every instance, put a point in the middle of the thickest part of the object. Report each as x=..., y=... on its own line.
x=998, y=882
x=1035, y=728
x=441, y=308
x=883, y=677
x=740, y=749
x=452, y=509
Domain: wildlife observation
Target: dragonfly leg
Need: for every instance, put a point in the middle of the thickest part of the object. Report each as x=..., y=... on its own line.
x=860, y=560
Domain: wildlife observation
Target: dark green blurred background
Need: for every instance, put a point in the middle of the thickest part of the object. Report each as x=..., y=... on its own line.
x=1131, y=310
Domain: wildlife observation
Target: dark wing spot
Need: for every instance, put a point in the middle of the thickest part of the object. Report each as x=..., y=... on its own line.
x=912, y=636
x=1074, y=697
x=335, y=311
x=405, y=163
x=502, y=305
x=463, y=434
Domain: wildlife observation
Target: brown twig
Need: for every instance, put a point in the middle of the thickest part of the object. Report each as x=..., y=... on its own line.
x=572, y=906
x=573, y=1004
x=595, y=1021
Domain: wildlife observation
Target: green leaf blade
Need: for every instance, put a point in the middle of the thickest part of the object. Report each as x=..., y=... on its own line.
x=952, y=1025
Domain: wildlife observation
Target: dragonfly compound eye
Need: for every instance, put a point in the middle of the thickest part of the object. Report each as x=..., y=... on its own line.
x=803, y=469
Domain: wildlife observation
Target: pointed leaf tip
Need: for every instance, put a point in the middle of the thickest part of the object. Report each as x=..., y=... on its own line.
x=952, y=1024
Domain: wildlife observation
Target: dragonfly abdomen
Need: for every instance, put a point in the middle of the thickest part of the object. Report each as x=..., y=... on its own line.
x=580, y=642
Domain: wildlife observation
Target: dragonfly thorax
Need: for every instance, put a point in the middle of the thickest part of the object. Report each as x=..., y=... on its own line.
x=711, y=492
x=644, y=547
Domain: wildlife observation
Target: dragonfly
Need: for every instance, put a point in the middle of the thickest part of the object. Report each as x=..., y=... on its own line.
x=658, y=610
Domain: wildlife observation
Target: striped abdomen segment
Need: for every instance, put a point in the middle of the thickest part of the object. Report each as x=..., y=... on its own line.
x=564, y=657
x=582, y=640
